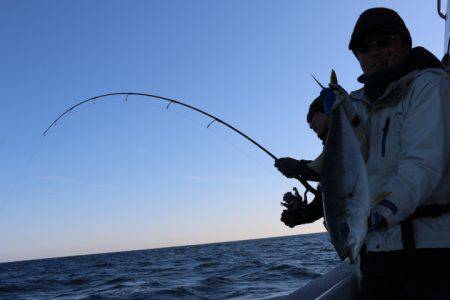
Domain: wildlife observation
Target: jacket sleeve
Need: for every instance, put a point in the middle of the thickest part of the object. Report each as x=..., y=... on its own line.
x=424, y=152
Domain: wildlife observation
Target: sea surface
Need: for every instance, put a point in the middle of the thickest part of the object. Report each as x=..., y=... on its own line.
x=252, y=269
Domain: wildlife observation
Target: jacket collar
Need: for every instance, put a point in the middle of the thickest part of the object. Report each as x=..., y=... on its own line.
x=393, y=93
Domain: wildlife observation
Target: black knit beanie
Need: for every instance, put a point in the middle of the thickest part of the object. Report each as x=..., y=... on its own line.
x=382, y=20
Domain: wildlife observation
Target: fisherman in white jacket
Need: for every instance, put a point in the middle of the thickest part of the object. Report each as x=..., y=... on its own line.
x=404, y=109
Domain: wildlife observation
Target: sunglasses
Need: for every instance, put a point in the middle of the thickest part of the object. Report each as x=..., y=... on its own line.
x=382, y=42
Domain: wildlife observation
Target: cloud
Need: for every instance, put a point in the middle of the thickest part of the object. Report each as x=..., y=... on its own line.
x=67, y=180
x=51, y=192
x=215, y=178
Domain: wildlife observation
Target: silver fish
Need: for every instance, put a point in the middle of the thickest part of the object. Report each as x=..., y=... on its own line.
x=345, y=188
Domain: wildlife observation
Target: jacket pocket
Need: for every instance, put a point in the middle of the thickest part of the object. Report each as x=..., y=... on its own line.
x=385, y=133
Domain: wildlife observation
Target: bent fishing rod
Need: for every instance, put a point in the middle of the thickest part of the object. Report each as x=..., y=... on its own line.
x=170, y=101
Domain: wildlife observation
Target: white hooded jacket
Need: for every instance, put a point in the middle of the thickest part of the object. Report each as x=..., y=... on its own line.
x=407, y=150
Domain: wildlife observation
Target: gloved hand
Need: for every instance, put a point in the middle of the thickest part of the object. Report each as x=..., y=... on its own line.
x=296, y=209
x=299, y=212
x=291, y=199
x=292, y=168
x=376, y=221
x=329, y=98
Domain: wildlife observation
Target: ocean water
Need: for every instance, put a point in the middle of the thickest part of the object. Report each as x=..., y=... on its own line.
x=252, y=269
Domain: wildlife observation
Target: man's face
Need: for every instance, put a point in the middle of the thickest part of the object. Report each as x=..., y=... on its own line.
x=378, y=51
x=320, y=123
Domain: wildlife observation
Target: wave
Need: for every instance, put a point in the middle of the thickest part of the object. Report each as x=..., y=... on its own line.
x=206, y=265
x=76, y=281
x=13, y=288
x=177, y=292
x=292, y=270
x=101, y=265
x=216, y=280
x=96, y=297
x=119, y=280
x=248, y=269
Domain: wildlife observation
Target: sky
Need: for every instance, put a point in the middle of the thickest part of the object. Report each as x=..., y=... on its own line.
x=118, y=175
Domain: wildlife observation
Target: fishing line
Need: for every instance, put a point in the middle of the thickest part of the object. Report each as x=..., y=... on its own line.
x=101, y=97
x=212, y=130
x=224, y=138
x=31, y=158
x=215, y=133
x=329, y=264
x=22, y=174
x=170, y=101
x=33, y=154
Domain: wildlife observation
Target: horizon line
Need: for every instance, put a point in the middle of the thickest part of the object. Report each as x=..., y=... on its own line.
x=155, y=248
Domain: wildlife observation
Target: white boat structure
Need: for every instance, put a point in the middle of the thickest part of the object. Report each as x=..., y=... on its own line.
x=342, y=281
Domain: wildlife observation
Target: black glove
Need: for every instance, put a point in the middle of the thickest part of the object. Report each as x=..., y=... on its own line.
x=376, y=221
x=292, y=168
x=298, y=211
x=291, y=199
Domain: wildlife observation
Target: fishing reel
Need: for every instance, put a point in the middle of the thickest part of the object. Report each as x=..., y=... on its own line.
x=291, y=200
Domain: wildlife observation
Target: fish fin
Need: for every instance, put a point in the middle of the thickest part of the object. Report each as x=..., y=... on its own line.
x=333, y=77
x=355, y=270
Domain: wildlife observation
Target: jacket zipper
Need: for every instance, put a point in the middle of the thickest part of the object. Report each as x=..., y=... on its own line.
x=385, y=133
